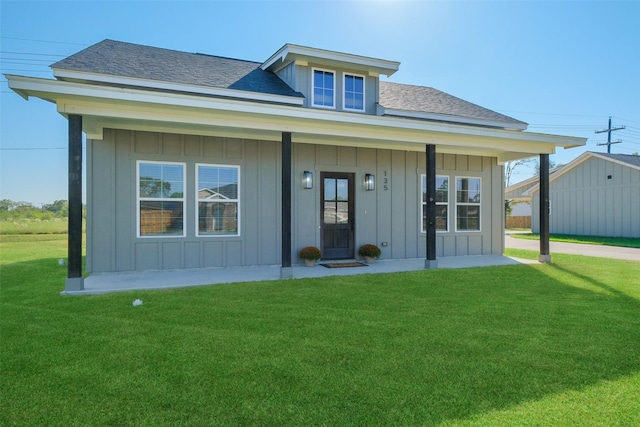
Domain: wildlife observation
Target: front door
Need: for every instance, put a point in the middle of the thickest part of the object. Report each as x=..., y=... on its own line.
x=338, y=216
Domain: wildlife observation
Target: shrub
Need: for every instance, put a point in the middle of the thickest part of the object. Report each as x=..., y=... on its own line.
x=370, y=250
x=310, y=253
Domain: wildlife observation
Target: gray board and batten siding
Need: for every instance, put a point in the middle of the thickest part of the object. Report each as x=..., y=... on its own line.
x=595, y=198
x=299, y=78
x=391, y=213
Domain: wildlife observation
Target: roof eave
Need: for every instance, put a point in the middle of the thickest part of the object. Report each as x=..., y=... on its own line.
x=515, y=125
x=139, y=109
x=84, y=76
x=291, y=52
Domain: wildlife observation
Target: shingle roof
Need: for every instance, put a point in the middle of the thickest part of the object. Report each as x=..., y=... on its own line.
x=146, y=62
x=423, y=99
x=625, y=158
x=121, y=59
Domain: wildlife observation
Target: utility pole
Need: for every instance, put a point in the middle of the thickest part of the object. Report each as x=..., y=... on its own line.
x=609, y=130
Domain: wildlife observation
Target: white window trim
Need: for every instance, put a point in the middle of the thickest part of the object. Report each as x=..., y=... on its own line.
x=344, y=92
x=313, y=95
x=447, y=204
x=455, y=214
x=197, y=210
x=159, y=199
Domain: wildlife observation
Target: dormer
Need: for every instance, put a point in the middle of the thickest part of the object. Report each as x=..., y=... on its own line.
x=331, y=80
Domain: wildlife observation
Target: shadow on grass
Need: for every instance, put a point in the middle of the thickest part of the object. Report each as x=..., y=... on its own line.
x=412, y=348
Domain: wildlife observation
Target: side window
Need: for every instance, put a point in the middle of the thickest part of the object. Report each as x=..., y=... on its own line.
x=218, y=200
x=353, y=92
x=324, y=88
x=442, y=203
x=160, y=189
x=468, y=204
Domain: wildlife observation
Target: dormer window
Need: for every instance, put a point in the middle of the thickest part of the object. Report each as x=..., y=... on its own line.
x=324, y=88
x=353, y=92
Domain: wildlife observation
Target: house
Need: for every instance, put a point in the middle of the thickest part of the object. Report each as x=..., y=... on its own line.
x=596, y=194
x=520, y=216
x=318, y=148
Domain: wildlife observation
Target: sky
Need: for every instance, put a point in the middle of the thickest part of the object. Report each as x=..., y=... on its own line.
x=563, y=67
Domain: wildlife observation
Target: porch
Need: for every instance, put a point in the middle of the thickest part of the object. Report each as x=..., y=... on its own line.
x=101, y=283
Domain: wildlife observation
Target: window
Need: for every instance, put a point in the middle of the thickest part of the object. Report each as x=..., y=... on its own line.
x=324, y=88
x=218, y=200
x=160, y=199
x=353, y=92
x=468, y=204
x=442, y=203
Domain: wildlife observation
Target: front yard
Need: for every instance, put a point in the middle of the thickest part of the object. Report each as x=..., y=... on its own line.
x=549, y=345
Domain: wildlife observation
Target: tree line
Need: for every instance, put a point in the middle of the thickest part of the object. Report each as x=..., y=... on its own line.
x=10, y=210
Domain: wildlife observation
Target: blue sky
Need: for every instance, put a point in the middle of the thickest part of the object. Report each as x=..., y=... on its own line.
x=562, y=67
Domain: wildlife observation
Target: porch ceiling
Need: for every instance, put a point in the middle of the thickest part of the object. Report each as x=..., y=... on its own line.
x=160, y=111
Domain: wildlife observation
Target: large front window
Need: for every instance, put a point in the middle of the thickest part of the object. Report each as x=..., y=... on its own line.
x=353, y=92
x=161, y=199
x=324, y=88
x=442, y=203
x=218, y=200
x=468, y=204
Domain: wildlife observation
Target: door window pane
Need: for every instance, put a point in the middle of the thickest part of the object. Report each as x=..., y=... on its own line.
x=329, y=189
x=342, y=214
x=330, y=212
x=343, y=189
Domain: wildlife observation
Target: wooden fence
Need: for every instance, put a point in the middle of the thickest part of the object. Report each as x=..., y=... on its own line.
x=518, y=222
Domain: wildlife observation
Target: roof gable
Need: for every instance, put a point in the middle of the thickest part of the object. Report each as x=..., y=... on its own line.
x=303, y=54
x=529, y=182
x=623, y=159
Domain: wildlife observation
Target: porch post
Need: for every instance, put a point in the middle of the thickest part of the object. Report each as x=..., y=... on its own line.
x=285, y=270
x=544, y=209
x=430, y=261
x=74, y=281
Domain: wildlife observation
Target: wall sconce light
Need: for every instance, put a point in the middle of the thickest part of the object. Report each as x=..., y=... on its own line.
x=307, y=180
x=369, y=182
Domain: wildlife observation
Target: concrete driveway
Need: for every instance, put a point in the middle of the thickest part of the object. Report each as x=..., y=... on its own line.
x=631, y=254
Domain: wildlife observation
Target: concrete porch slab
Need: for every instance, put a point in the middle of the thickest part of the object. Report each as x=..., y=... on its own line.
x=101, y=283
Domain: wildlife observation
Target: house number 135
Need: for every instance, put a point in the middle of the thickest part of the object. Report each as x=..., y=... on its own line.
x=385, y=182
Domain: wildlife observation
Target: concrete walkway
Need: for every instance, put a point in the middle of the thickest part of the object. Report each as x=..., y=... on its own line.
x=100, y=283
x=631, y=254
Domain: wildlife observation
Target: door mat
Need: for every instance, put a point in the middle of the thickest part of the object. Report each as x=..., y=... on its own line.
x=343, y=264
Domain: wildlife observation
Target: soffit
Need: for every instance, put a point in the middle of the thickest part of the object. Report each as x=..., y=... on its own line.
x=108, y=107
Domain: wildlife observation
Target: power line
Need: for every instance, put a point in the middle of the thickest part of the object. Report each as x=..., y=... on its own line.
x=27, y=71
x=43, y=41
x=627, y=120
x=23, y=63
x=549, y=114
x=26, y=59
x=31, y=54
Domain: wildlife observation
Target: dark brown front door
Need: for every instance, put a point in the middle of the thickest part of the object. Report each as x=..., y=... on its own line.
x=338, y=216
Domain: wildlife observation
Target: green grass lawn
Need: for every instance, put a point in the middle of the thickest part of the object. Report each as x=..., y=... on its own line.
x=590, y=240
x=30, y=226
x=537, y=345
